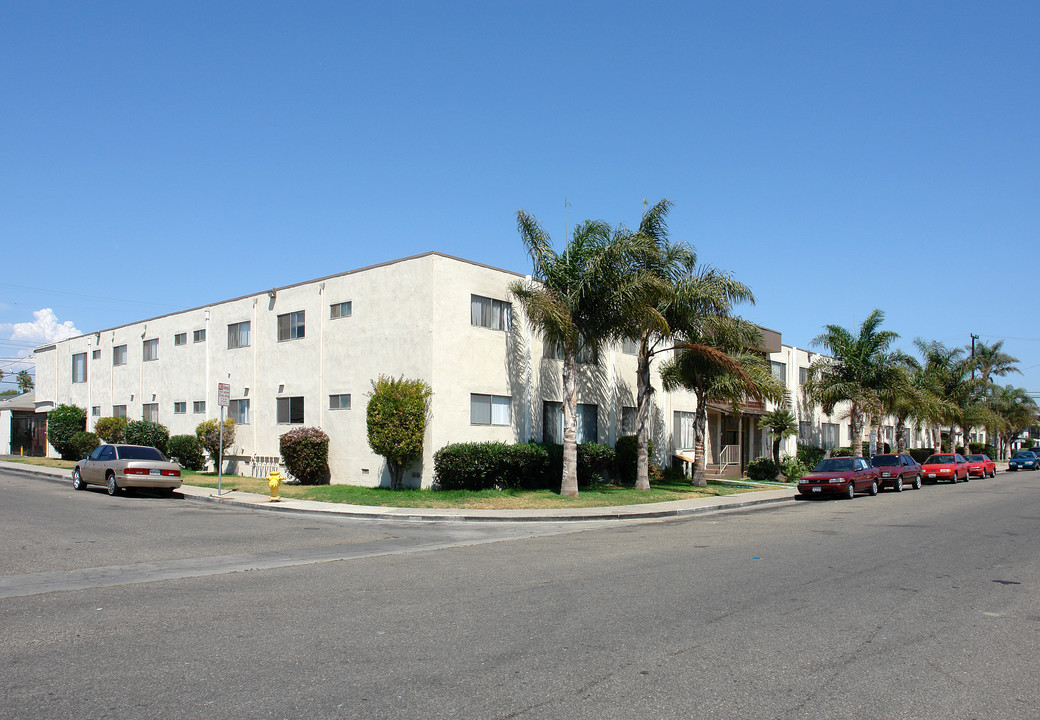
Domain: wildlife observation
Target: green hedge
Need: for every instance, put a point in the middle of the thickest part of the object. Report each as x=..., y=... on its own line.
x=84, y=443
x=63, y=422
x=982, y=449
x=306, y=454
x=524, y=466
x=110, y=429
x=626, y=456
x=920, y=454
x=810, y=455
x=146, y=432
x=761, y=469
x=188, y=451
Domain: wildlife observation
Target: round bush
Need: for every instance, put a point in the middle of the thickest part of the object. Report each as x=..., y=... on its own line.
x=810, y=455
x=146, y=432
x=110, y=429
x=761, y=469
x=63, y=422
x=305, y=452
x=188, y=451
x=84, y=443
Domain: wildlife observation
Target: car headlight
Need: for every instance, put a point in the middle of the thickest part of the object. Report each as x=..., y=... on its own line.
x=836, y=480
x=945, y=470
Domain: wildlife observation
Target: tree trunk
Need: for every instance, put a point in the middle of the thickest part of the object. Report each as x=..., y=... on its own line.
x=700, y=424
x=776, y=455
x=856, y=430
x=900, y=439
x=569, y=483
x=643, y=393
x=396, y=475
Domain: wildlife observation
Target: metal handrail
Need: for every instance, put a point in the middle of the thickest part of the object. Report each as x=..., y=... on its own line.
x=730, y=455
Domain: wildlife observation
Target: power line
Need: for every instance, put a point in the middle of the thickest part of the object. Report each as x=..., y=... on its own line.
x=88, y=297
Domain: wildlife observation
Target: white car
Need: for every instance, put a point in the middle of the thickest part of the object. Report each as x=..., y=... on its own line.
x=121, y=466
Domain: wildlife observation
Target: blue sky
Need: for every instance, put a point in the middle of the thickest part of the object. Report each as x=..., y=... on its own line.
x=836, y=157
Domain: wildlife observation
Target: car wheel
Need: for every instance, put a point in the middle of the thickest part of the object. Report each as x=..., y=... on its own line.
x=110, y=483
x=917, y=482
x=898, y=487
x=850, y=490
x=77, y=480
x=993, y=473
x=873, y=488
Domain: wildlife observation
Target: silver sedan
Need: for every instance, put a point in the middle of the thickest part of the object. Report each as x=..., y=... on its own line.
x=122, y=466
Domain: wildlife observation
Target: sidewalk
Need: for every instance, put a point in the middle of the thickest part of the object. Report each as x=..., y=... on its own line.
x=675, y=508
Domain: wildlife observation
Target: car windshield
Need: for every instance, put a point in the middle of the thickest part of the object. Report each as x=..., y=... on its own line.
x=132, y=452
x=885, y=461
x=976, y=458
x=939, y=460
x=834, y=465
x=1024, y=456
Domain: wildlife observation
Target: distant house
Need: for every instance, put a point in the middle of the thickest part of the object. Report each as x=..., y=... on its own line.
x=22, y=430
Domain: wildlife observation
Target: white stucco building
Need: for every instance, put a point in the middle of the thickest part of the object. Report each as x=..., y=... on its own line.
x=306, y=354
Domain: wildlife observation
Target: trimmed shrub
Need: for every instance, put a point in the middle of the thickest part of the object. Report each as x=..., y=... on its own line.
x=146, y=432
x=84, y=443
x=188, y=451
x=841, y=452
x=976, y=448
x=305, y=452
x=595, y=461
x=396, y=416
x=110, y=429
x=792, y=468
x=63, y=422
x=625, y=457
x=522, y=466
x=208, y=433
x=920, y=454
x=761, y=469
x=810, y=455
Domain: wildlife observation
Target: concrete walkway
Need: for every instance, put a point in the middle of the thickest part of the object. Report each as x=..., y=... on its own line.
x=674, y=508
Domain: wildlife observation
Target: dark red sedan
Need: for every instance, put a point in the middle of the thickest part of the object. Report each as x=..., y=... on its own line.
x=897, y=470
x=948, y=467
x=842, y=476
x=981, y=466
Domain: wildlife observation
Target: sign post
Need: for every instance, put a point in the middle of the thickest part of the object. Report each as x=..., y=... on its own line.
x=223, y=400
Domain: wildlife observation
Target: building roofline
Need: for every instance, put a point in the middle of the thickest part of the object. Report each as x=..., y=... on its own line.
x=431, y=253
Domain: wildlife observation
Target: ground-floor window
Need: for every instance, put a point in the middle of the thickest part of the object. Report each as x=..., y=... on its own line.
x=489, y=409
x=831, y=435
x=552, y=423
x=290, y=411
x=686, y=430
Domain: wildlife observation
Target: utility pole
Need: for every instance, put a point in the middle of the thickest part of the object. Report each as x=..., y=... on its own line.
x=974, y=337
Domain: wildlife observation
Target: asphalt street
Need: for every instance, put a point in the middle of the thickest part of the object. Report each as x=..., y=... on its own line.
x=921, y=604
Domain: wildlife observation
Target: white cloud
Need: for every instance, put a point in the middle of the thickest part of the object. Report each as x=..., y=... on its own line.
x=44, y=329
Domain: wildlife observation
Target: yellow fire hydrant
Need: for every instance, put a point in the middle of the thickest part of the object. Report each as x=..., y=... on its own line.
x=274, y=481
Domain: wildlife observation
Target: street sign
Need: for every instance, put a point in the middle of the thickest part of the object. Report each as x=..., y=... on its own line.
x=223, y=394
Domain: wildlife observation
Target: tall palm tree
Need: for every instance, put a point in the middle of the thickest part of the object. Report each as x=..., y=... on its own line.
x=948, y=372
x=990, y=360
x=859, y=370
x=721, y=365
x=579, y=301
x=689, y=301
x=912, y=398
x=1016, y=410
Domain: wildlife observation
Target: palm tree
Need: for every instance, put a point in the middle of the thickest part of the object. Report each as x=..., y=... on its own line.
x=721, y=366
x=910, y=399
x=579, y=301
x=688, y=302
x=25, y=381
x=780, y=423
x=990, y=360
x=1016, y=410
x=859, y=371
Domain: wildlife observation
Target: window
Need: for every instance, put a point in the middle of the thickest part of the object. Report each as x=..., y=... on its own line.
x=151, y=349
x=179, y=408
x=803, y=375
x=552, y=423
x=804, y=431
x=119, y=411
x=150, y=412
x=199, y=336
x=831, y=435
x=684, y=422
x=628, y=420
x=290, y=411
x=629, y=347
x=585, y=356
x=198, y=407
x=339, y=310
x=291, y=326
x=95, y=411
x=339, y=402
x=180, y=339
x=238, y=335
x=119, y=355
x=79, y=368
x=96, y=355
x=494, y=314
x=779, y=370
x=489, y=409
x=238, y=410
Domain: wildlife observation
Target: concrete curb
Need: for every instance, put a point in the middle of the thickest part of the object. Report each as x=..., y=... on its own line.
x=650, y=511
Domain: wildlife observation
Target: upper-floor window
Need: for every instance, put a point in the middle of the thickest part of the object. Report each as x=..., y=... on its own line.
x=238, y=410
x=95, y=411
x=151, y=349
x=779, y=370
x=79, y=368
x=339, y=310
x=179, y=408
x=150, y=412
x=489, y=409
x=238, y=335
x=628, y=420
x=290, y=410
x=199, y=336
x=119, y=355
x=494, y=314
x=803, y=375
x=119, y=411
x=585, y=355
x=95, y=355
x=180, y=339
x=291, y=326
x=629, y=347
x=339, y=402
x=198, y=407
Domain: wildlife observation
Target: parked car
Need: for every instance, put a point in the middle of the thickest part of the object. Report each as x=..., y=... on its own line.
x=897, y=470
x=950, y=467
x=121, y=466
x=844, y=476
x=1024, y=460
x=981, y=466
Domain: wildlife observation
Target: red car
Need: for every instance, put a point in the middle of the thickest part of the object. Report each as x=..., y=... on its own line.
x=843, y=476
x=897, y=470
x=949, y=467
x=981, y=466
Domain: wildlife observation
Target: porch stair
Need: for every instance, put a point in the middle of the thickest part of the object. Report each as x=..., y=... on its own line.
x=715, y=471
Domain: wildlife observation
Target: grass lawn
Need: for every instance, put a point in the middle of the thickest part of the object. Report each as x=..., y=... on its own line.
x=596, y=496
